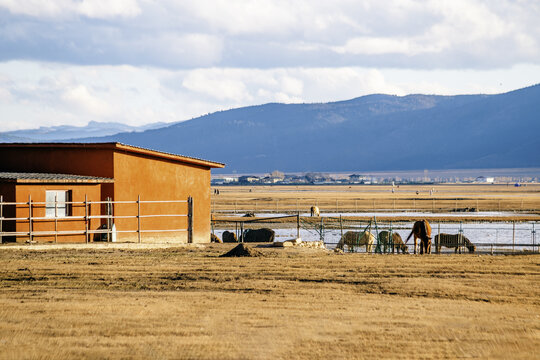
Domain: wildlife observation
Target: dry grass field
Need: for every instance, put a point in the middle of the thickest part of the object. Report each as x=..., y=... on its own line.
x=188, y=303
x=361, y=198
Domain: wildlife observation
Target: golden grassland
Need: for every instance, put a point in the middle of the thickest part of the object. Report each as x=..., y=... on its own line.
x=187, y=302
x=362, y=198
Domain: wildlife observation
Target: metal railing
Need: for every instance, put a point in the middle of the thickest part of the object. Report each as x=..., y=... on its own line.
x=488, y=237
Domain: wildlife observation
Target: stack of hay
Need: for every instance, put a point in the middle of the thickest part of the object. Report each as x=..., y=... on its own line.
x=299, y=243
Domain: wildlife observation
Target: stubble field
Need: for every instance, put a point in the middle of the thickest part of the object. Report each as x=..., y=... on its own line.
x=368, y=198
x=187, y=302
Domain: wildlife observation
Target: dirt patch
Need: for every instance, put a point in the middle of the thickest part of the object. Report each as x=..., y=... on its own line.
x=243, y=250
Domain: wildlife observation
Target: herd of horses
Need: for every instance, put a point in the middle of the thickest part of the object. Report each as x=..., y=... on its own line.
x=421, y=232
x=422, y=237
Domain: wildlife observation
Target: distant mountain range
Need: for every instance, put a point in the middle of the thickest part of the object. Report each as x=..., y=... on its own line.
x=65, y=132
x=374, y=132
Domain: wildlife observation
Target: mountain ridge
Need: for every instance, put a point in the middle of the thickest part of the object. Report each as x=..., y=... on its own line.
x=375, y=132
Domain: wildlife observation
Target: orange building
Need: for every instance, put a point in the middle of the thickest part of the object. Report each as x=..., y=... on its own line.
x=64, y=192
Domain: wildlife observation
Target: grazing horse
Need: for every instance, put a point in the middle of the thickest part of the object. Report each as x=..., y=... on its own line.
x=455, y=241
x=356, y=238
x=396, y=240
x=421, y=230
x=315, y=211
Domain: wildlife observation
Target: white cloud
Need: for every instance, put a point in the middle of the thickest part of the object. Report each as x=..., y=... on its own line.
x=451, y=34
x=80, y=98
x=5, y=95
x=106, y=8
x=217, y=84
x=100, y=9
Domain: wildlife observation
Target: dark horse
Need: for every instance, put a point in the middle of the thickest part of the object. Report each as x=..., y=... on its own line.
x=421, y=230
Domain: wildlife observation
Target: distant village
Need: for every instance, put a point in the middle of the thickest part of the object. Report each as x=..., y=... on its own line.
x=312, y=178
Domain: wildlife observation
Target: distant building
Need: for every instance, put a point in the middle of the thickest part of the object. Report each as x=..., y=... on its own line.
x=485, y=180
x=248, y=179
x=356, y=179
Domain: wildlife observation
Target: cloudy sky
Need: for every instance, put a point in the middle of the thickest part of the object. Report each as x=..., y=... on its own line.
x=143, y=61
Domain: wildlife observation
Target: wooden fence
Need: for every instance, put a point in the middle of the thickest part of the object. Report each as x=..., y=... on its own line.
x=88, y=220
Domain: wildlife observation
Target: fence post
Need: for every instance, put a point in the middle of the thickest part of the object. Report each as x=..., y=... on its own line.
x=460, y=238
x=298, y=226
x=241, y=238
x=513, y=235
x=321, y=234
x=341, y=225
x=437, y=248
x=533, y=236
x=56, y=217
x=109, y=219
x=2, y=216
x=30, y=217
x=139, y=218
x=86, y=217
x=190, y=219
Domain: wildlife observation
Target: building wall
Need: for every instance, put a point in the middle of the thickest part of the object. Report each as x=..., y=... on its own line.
x=49, y=159
x=158, y=179
x=37, y=194
x=86, y=160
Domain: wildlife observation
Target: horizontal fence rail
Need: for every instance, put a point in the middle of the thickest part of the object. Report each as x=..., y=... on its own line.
x=129, y=213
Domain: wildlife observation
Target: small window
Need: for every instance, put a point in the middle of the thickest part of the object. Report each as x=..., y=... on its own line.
x=57, y=203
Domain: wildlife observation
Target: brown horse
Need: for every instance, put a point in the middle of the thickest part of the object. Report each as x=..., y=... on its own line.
x=421, y=230
x=384, y=238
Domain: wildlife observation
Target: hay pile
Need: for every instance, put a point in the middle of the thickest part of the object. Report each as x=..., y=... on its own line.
x=299, y=243
x=242, y=250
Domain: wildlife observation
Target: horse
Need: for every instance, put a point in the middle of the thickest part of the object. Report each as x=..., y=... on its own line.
x=215, y=239
x=258, y=235
x=396, y=240
x=421, y=230
x=455, y=241
x=315, y=211
x=229, y=237
x=356, y=238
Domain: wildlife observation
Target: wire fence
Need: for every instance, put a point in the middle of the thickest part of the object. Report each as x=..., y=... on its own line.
x=486, y=237
x=426, y=202
x=89, y=221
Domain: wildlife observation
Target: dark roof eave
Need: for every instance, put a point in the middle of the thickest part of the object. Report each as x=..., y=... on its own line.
x=62, y=181
x=125, y=147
